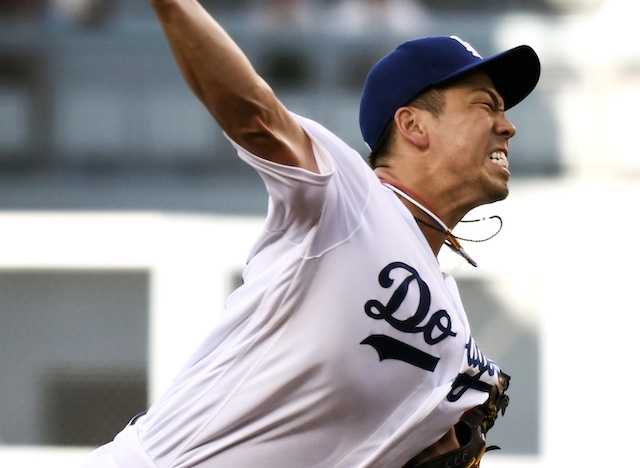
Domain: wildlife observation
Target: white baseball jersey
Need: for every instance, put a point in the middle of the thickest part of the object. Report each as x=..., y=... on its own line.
x=346, y=346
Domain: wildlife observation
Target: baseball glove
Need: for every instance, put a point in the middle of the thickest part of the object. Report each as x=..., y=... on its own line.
x=471, y=432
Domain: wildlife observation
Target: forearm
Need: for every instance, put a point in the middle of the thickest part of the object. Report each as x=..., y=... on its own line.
x=222, y=77
x=212, y=64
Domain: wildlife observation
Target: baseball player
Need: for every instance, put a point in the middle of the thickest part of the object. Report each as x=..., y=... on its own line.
x=346, y=345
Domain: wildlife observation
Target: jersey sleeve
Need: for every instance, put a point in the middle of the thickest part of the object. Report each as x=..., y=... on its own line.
x=321, y=209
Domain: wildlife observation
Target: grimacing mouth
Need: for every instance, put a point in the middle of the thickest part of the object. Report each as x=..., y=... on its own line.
x=499, y=157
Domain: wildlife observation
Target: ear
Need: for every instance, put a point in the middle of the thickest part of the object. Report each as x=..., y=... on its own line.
x=410, y=126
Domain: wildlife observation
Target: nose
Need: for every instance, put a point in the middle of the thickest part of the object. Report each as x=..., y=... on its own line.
x=504, y=127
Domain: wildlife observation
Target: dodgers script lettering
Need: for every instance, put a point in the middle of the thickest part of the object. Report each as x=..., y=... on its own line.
x=434, y=327
x=408, y=310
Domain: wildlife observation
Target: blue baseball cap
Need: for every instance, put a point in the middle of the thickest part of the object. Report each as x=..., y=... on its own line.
x=424, y=63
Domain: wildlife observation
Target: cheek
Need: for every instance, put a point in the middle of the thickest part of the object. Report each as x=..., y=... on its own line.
x=471, y=146
x=463, y=146
x=464, y=153
x=460, y=134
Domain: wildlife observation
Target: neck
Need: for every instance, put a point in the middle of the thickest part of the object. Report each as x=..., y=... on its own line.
x=431, y=224
x=433, y=227
x=429, y=189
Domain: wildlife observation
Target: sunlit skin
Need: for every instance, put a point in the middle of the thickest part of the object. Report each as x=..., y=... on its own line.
x=447, y=159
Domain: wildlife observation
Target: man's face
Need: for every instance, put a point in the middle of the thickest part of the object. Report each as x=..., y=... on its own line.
x=470, y=139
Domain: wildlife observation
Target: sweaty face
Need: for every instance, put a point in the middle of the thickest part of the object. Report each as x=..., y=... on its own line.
x=471, y=138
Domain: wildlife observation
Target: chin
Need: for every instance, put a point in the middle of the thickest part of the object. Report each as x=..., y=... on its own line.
x=497, y=194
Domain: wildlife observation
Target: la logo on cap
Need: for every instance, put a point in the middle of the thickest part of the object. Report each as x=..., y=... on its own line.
x=467, y=46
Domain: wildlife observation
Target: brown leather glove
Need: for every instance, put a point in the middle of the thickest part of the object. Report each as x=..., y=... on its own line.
x=471, y=432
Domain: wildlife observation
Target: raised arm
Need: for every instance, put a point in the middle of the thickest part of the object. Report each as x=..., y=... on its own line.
x=220, y=75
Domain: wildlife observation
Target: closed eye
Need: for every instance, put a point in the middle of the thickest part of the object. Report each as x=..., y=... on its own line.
x=491, y=100
x=490, y=105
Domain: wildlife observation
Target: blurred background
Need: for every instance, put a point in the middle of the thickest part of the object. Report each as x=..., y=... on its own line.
x=126, y=216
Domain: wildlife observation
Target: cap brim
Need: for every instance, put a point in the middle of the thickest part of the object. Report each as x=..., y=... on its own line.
x=515, y=73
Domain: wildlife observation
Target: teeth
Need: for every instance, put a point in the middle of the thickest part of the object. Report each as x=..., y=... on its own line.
x=500, y=158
